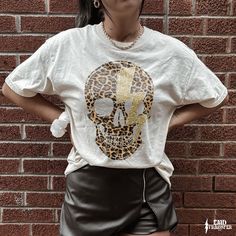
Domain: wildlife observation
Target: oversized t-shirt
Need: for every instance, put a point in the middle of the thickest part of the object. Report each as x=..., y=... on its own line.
x=120, y=102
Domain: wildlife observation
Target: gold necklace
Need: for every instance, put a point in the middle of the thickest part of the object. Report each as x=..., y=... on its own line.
x=125, y=47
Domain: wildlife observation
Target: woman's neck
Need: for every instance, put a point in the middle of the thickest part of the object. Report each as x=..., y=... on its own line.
x=122, y=30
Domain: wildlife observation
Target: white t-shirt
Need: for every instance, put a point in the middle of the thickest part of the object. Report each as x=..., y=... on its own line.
x=120, y=102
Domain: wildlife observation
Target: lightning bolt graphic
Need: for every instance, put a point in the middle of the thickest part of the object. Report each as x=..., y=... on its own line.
x=206, y=226
x=124, y=82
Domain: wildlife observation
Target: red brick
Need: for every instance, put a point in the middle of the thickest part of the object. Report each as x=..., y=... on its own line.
x=23, y=183
x=21, y=6
x=10, y=132
x=7, y=62
x=44, y=166
x=45, y=229
x=64, y=6
x=42, y=133
x=49, y=24
x=3, y=75
x=227, y=214
x=190, y=26
x=225, y=183
x=221, y=63
x=191, y=183
x=14, y=229
x=210, y=200
x=230, y=149
x=194, y=215
x=234, y=7
x=27, y=215
x=217, y=166
x=153, y=7
x=183, y=166
x=18, y=115
x=183, y=133
x=197, y=230
x=11, y=199
x=222, y=77
x=24, y=149
x=230, y=115
x=44, y=199
x=20, y=43
x=7, y=24
x=185, y=39
x=232, y=98
x=212, y=7
x=61, y=149
x=153, y=23
x=180, y=7
x=177, y=198
x=58, y=183
x=233, y=45
x=58, y=214
x=23, y=57
x=218, y=133
x=9, y=166
x=222, y=26
x=175, y=149
x=232, y=80
x=204, y=149
x=209, y=45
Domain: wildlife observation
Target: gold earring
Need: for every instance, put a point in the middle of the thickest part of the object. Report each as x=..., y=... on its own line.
x=96, y=3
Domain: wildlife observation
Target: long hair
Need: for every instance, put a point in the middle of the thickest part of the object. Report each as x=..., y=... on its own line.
x=88, y=14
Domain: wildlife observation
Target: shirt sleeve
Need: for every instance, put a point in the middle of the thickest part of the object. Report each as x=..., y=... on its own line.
x=34, y=74
x=203, y=86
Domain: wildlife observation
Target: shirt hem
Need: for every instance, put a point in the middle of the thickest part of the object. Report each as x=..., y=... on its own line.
x=217, y=102
x=17, y=90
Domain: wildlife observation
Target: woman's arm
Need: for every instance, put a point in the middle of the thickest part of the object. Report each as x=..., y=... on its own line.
x=191, y=112
x=36, y=105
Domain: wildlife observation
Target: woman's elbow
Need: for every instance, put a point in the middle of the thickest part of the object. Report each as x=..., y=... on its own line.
x=5, y=89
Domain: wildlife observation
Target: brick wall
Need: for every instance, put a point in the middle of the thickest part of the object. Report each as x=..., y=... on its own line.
x=203, y=152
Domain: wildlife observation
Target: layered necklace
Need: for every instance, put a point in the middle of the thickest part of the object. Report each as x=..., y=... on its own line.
x=123, y=47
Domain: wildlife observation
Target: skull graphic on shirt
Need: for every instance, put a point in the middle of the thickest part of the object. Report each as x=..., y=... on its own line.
x=119, y=96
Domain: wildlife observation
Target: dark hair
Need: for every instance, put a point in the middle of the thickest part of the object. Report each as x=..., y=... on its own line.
x=88, y=14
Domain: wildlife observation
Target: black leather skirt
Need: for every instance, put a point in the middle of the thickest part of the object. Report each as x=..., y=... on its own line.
x=109, y=201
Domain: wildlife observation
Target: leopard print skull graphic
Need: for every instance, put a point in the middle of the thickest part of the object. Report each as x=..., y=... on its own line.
x=119, y=96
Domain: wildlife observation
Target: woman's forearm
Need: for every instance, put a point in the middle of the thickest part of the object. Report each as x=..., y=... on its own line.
x=36, y=105
x=190, y=112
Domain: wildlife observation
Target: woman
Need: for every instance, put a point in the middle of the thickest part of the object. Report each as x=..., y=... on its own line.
x=121, y=84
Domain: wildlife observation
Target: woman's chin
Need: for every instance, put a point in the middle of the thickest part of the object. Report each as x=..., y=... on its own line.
x=128, y=3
